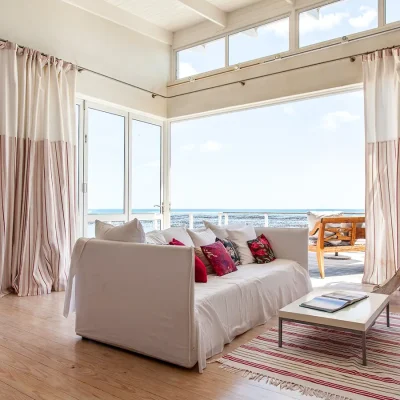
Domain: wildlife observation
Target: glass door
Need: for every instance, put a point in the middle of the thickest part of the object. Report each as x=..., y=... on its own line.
x=146, y=171
x=121, y=168
x=105, y=160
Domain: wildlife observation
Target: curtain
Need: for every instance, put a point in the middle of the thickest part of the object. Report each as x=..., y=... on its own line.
x=382, y=118
x=37, y=171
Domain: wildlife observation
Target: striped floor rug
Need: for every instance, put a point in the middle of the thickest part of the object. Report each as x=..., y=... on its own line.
x=324, y=363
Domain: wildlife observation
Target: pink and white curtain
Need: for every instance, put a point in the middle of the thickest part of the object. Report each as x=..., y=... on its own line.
x=382, y=118
x=37, y=171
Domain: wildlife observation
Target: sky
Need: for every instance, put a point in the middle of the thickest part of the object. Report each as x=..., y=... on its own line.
x=328, y=22
x=307, y=154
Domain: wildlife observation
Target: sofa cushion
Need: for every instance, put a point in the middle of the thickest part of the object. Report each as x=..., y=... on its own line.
x=261, y=250
x=220, y=231
x=155, y=237
x=202, y=238
x=219, y=258
x=240, y=237
x=131, y=232
x=231, y=249
x=200, y=272
x=178, y=233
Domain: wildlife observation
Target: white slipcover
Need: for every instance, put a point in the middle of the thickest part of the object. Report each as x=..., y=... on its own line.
x=143, y=297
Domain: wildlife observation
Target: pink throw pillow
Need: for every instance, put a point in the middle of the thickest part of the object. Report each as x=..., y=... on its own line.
x=261, y=250
x=219, y=258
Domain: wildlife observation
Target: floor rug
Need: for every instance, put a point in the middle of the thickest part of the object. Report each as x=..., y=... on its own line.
x=324, y=363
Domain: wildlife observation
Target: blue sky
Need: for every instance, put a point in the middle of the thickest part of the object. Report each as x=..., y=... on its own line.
x=328, y=22
x=307, y=154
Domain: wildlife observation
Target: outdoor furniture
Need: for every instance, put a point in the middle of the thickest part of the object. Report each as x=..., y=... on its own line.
x=336, y=234
x=358, y=317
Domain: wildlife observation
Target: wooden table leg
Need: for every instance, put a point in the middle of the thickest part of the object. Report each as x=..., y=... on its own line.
x=364, y=348
x=280, y=331
x=388, y=316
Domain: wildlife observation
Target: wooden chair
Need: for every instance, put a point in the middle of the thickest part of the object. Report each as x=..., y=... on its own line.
x=348, y=236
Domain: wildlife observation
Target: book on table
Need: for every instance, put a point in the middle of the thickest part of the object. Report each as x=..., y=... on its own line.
x=334, y=301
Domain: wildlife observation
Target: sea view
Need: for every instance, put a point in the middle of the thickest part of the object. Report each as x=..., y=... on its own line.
x=284, y=218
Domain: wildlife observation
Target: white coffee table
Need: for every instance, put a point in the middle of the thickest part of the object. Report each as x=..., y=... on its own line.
x=358, y=317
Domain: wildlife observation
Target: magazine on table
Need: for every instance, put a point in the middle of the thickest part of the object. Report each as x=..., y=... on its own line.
x=334, y=301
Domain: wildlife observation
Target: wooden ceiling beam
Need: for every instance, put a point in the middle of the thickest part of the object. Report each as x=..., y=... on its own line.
x=207, y=10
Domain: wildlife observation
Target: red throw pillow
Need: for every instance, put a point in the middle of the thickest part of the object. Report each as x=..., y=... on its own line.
x=261, y=250
x=219, y=258
x=200, y=271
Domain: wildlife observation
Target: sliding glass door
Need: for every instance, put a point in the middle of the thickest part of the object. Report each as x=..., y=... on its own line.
x=121, y=168
x=146, y=192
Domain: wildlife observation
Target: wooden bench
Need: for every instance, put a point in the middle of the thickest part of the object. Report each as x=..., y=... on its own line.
x=348, y=236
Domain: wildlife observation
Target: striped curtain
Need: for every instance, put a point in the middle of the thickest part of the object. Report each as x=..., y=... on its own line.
x=382, y=117
x=37, y=177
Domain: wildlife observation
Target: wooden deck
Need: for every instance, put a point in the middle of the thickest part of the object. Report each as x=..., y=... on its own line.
x=337, y=268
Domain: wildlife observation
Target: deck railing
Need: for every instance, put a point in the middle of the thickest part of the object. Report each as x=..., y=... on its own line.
x=222, y=217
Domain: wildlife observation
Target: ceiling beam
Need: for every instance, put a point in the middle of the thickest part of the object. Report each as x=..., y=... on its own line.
x=207, y=10
x=112, y=13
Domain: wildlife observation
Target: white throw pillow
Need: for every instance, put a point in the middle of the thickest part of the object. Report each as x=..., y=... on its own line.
x=240, y=237
x=155, y=237
x=202, y=238
x=132, y=232
x=178, y=233
x=220, y=231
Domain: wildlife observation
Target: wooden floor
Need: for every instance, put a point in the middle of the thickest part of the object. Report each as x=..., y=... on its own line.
x=42, y=358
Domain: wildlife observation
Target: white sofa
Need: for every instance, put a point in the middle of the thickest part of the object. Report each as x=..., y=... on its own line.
x=143, y=297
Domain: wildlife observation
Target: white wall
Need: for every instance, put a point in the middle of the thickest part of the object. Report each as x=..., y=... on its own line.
x=67, y=32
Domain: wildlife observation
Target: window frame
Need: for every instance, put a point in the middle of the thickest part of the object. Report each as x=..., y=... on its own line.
x=270, y=56
x=333, y=41
x=294, y=39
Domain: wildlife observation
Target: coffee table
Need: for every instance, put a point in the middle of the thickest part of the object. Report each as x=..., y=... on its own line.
x=359, y=317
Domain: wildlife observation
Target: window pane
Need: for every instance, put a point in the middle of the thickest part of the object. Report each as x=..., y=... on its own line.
x=146, y=167
x=336, y=20
x=392, y=11
x=279, y=157
x=202, y=58
x=105, y=163
x=259, y=42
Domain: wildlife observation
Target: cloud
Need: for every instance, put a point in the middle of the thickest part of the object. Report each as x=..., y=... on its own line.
x=309, y=23
x=289, y=109
x=210, y=146
x=364, y=21
x=186, y=69
x=187, y=147
x=331, y=121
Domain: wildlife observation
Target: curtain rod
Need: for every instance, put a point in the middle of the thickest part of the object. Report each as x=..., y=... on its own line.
x=243, y=81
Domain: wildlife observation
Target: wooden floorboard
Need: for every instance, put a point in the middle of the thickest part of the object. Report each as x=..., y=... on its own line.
x=42, y=358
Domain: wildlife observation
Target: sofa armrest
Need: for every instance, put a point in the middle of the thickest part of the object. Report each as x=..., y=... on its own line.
x=288, y=243
x=139, y=297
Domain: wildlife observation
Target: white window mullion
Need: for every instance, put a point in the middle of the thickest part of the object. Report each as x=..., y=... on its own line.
x=127, y=164
x=166, y=178
x=381, y=13
x=293, y=31
x=85, y=170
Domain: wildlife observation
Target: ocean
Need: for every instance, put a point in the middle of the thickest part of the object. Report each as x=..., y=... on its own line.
x=284, y=218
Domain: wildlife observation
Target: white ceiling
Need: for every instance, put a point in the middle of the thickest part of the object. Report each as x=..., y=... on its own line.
x=171, y=15
x=159, y=19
